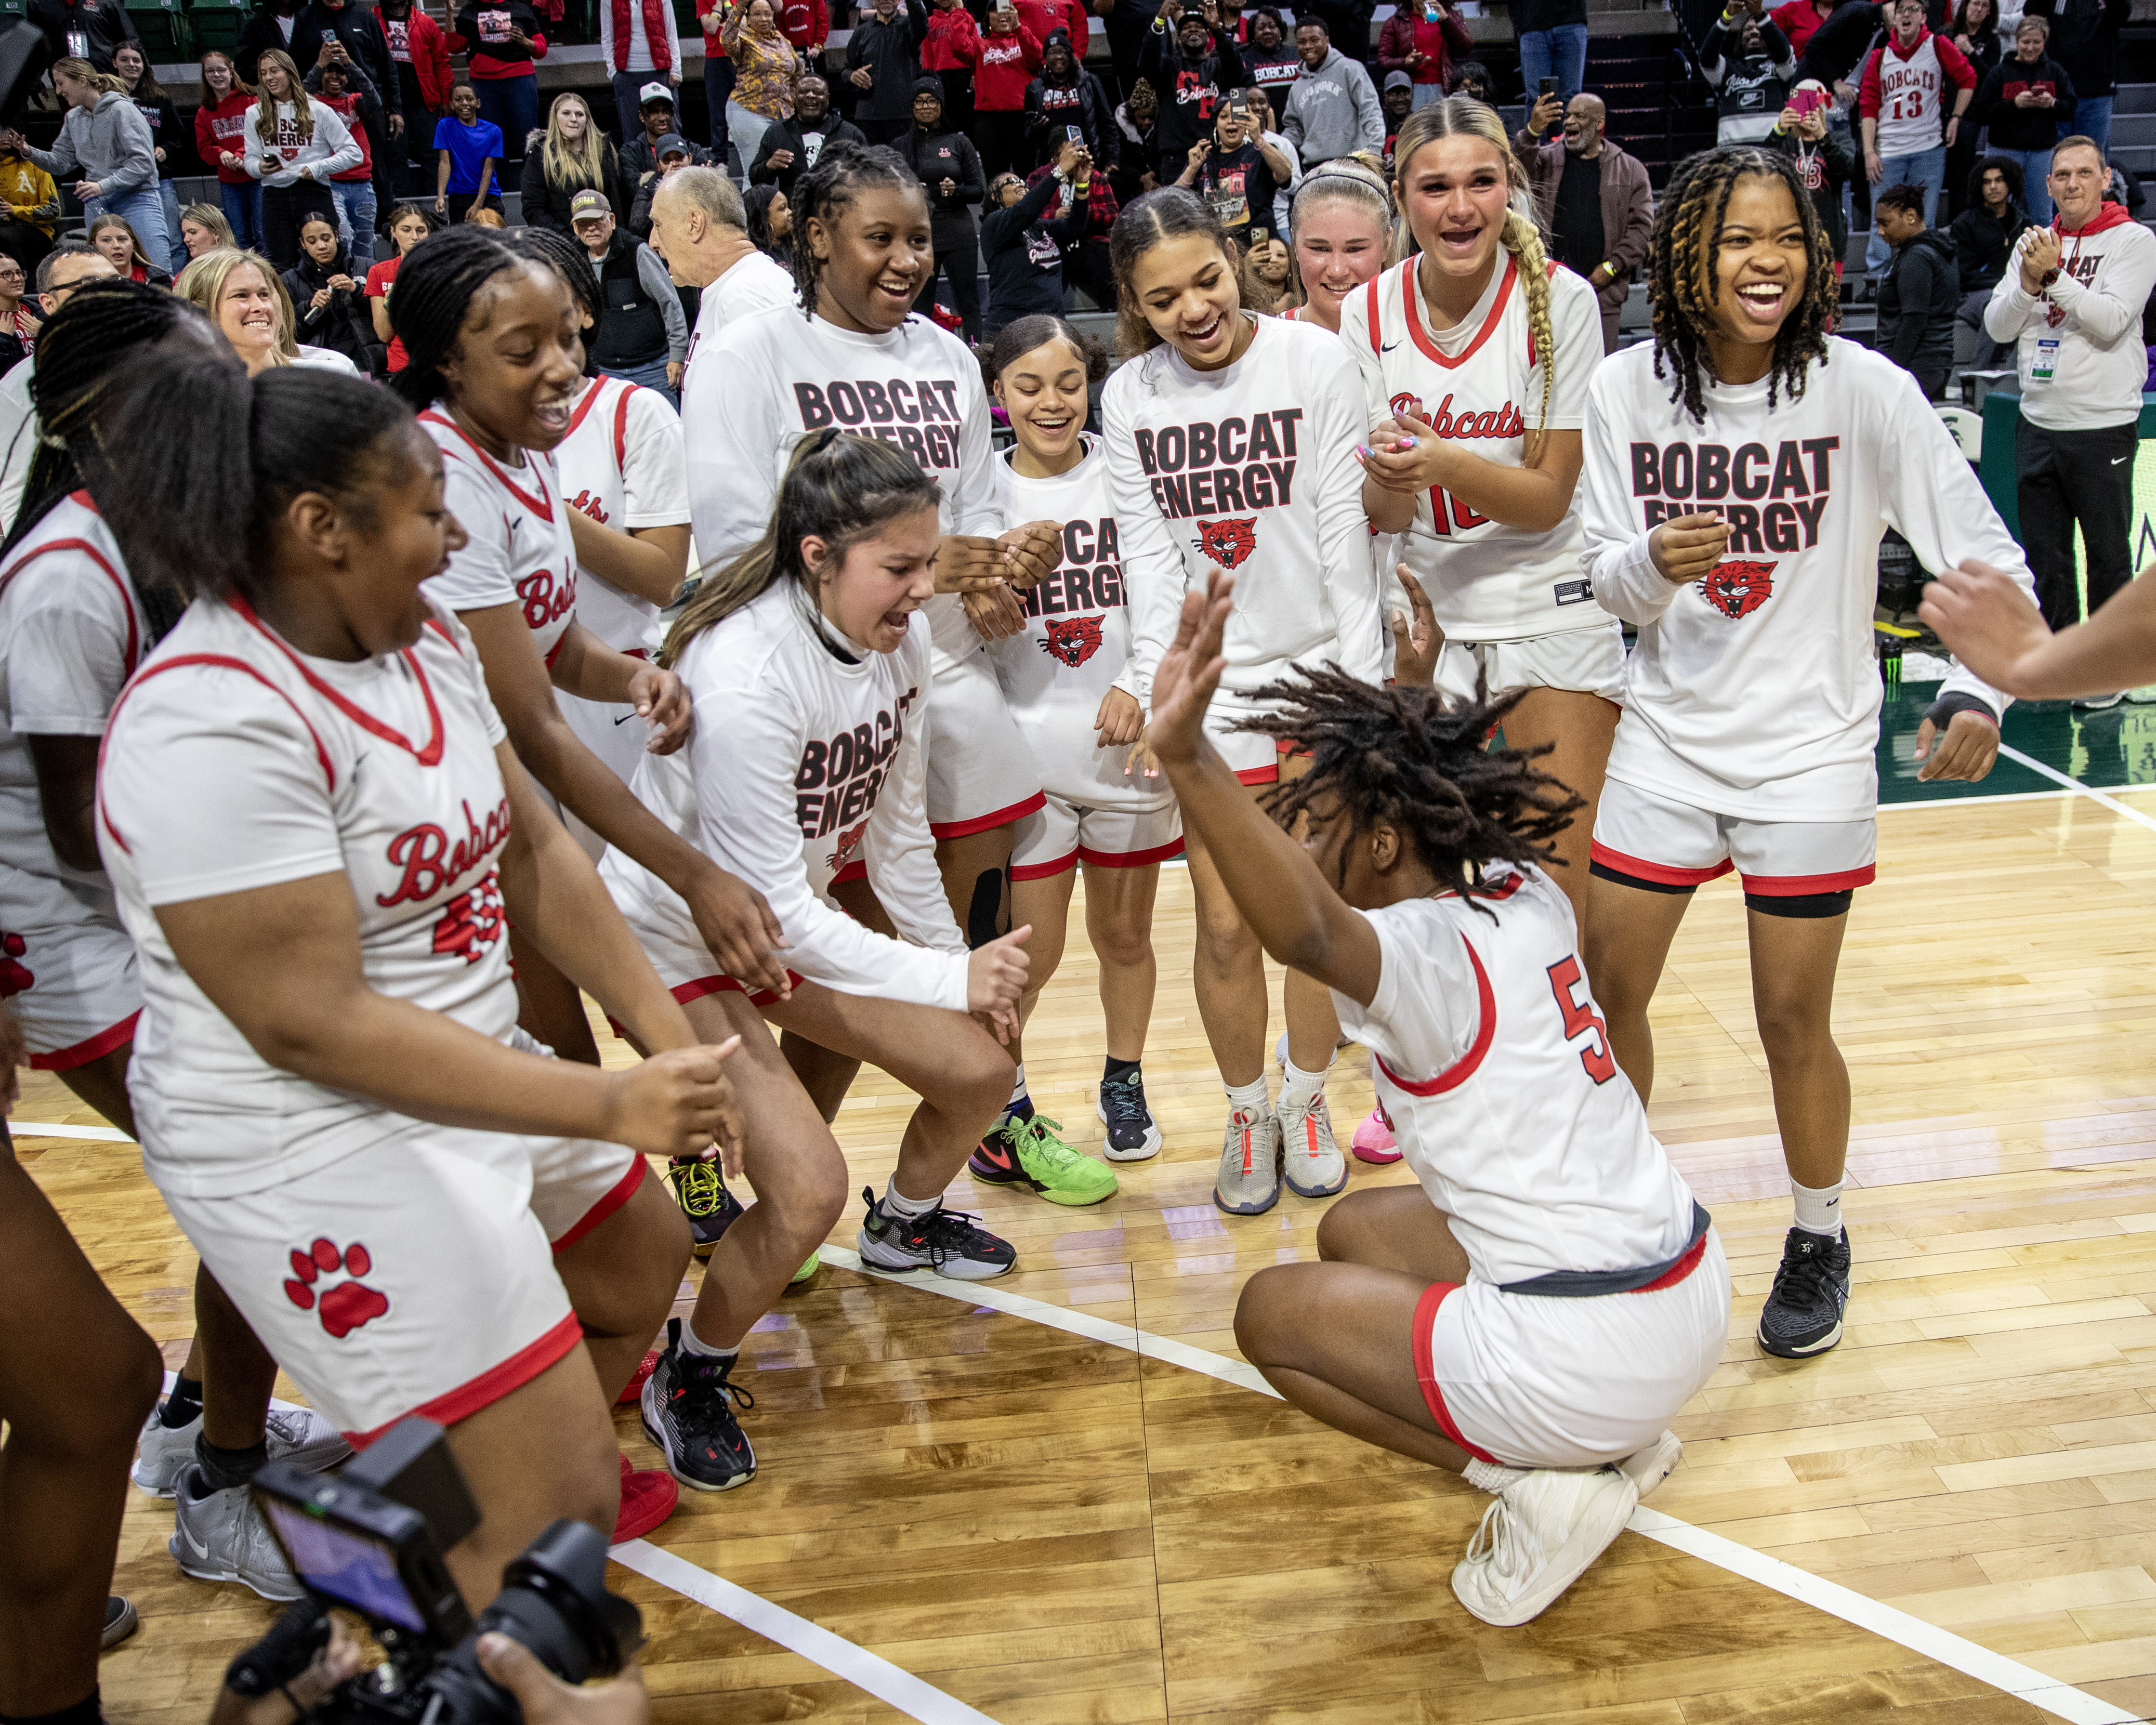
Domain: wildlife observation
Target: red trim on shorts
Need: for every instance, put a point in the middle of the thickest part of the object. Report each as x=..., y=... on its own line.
x=987, y=823
x=1803, y=885
x=1668, y=876
x=686, y=991
x=623, y=1190
x=491, y=1385
x=1127, y=859
x=857, y=870
x=1679, y=1270
x=1043, y=871
x=1433, y=1392
x=1259, y=775
x=1463, y=1069
x=66, y=1059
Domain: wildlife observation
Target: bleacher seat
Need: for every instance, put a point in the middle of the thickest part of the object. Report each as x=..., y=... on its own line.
x=162, y=27
x=216, y=23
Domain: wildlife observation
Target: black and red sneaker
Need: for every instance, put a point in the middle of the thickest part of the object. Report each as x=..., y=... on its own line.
x=687, y=1414
x=945, y=1241
x=710, y=1209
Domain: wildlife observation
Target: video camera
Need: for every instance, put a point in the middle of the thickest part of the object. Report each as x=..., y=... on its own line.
x=370, y=1538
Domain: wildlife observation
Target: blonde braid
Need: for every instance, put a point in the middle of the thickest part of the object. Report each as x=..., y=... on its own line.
x=1524, y=241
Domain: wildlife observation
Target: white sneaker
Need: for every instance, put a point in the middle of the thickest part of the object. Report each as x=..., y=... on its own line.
x=296, y=1434
x=1539, y=1537
x=1312, y=1162
x=220, y=1536
x=2143, y=696
x=1647, y=1468
x=2097, y=703
x=1248, y=1183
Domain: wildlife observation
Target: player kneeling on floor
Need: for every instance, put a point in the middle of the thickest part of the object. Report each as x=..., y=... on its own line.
x=1535, y=1316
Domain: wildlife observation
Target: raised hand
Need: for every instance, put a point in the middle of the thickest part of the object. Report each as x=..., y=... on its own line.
x=1417, y=640
x=1189, y=672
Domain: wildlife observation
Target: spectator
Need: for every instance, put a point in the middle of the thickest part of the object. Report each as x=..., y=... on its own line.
x=1025, y=254
x=34, y=207
x=698, y=226
x=1138, y=120
x=793, y=146
x=1799, y=19
x=276, y=25
x=220, y=124
x=329, y=304
x=675, y=152
x=408, y=225
x=355, y=34
x=1826, y=156
x=1230, y=171
x=246, y=300
x=639, y=156
x=1471, y=78
x=19, y=329
x=1746, y=60
x=203, y=228
x=951, y=50
x=2072, y=304
x=118, y=243
x=2085, y=40
x=1270, y=60
x=1333, y=108
x=949, y=171
x=84, y=29
x=771, y=223
x=1085, y=261
x=1397, y=99
x=65, y=268
x=765, y=67
x=1279, y=154
x=294, y=146
x=2022, y=100
x=639, y=43
x=642, y=334
x=1839, y=46
x=467, y=148
x=104, y=148
x=1128, y=25
x=1975, y=33
x=1903, y=103
x=807, y=24
x=1985, y=235
x=1552, y=45
x=1010, y=56
x=575, y=156
x=1347, y=27
x=1922, y=293
x=712, y=17
x=1045, y=18
x=132, y=68
x=355, y=187
x=1423, y=40
x=1592, y=199
x=1067, y=95
x=419, y=56
x=506, y=42
x=883, y=59
x=1189, y=61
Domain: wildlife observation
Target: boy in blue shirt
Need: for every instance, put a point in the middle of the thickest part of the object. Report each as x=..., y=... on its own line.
x=467, y=149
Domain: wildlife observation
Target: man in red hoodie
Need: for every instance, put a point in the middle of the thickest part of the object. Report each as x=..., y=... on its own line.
x=1908, y=129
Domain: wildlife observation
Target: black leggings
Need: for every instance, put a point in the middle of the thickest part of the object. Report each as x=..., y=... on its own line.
x=1000, y=134
x=961, y=266
x=285, y=212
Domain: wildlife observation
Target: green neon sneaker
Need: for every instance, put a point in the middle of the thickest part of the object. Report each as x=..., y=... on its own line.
x=801, y=1276
x=1032, y=1153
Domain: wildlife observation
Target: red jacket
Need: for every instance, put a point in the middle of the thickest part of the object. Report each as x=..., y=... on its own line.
x=1046, y=17
x=952, y=43
x=806, y=23
x=1008, y=64
x=424, y=42
x=222, y=128
x=1441, y=42
x=1798, y=21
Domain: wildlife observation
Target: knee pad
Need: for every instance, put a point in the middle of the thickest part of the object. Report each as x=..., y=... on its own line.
x=1603, y=871
x=1804, y=906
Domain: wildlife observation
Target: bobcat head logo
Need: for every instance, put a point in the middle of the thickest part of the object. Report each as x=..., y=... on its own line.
x=1737, y=589
x=1227, y=543
x=1072, y=640
x=843, y=849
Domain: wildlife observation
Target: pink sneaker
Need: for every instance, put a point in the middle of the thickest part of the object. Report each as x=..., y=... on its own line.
x=1373, y=1139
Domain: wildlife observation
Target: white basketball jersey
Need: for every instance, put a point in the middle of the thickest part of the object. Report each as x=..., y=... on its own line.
x=519, y=552
x=623, y=465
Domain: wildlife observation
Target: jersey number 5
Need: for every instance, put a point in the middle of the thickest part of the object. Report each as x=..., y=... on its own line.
x=1448, y=512
x=1580, y=1015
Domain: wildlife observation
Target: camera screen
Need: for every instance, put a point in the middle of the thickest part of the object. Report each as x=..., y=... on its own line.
x=344, y=1566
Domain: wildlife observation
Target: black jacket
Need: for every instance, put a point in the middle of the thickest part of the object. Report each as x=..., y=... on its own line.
x=2085, y=40
x=2022, y=128
x=1838, y=47
x=1082, y=103
x=1025, y=254
x=546, y=204
x=1916, y=305
x=934, y=157
x=1990, y=49
x=103, y=23
x=1189, y=90
x=637, y=160
x=345, y=324
x=892, y=54
x=1826, y=168
x=1983, y=245
x=1747, y=85
x=359, y=28
x=166, y=134
x=788, y=135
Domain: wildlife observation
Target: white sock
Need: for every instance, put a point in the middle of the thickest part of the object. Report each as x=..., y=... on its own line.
x=1018, y=1090
x=1492, y=1476
x=1819, y=1208
x=1301, y=1088
x=895, y=1203
x=1251, y=1098
x=692, y=1342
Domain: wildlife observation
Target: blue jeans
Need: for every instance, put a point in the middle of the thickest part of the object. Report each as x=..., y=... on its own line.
x=145, y=212
x=357, y=197
x=1560, y=54
x=243, y=208
x=2093, y=120
x=2036, y=165
x=651, y=377
x=1927, y=168
x=177, y=252
x=513, y=105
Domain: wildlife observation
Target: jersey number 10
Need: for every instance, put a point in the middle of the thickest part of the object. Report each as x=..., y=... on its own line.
x=1580, y=1015
x=1448, y=512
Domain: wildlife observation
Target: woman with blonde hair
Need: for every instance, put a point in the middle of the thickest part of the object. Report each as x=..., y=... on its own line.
x=575, y=156
x=1341, y=230
x=296, y=145
x=105, y=153
x=203, y=228
x=245, y=298
x=115, y=240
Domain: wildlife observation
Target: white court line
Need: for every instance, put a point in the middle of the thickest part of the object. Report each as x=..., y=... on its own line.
x=2077, y=787
x=2022, y=1681
x=40, y=1129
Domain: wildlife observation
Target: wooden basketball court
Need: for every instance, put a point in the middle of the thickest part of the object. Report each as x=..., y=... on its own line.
x=1062, y=1496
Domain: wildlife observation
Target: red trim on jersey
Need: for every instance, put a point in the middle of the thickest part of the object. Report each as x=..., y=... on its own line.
x=1259, y=775
x=590, y=400
x=1430, y=350
x=1377, y=313
x=1661, y=872
x=1128, y=859
x=111, y=574
x=857, y=870
x=619, y=1194
x=1463, y=1069
x=491, y=1385
x=621, y=430
x=1802, y=886
x=1043, y=871
x=561, y=641
x=987, y=823
x=66, y=1059
x=686, y=991
x=430, y=756
x=541, y=505
x=1678, y=1271
x=82, y=497
x=435, y=624
x=229, y=663
x=1433, y=1392
x=1499, y=894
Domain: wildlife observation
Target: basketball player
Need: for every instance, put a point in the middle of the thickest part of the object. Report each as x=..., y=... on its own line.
x=1342, y=223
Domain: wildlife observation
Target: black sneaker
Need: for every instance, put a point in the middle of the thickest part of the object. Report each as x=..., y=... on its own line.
x=1132, y=1134
x=945, y=1241
x=686, y=1415
x=1803, y=1313
x=710, y=1209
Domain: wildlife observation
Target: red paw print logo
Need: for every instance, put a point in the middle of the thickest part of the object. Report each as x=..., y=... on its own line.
x=345, y=1305
x=14, y=978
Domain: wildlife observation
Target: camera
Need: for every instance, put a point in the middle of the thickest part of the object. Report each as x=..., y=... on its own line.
x=370, y=1539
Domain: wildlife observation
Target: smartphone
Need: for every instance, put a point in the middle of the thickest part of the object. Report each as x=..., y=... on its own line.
x=1240, y=109
x=1807, y=101
x=1075, y=136
x=1548, y=87
x=1258, y=237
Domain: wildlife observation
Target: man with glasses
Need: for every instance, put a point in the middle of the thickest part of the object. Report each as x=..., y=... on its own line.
x=60, y=275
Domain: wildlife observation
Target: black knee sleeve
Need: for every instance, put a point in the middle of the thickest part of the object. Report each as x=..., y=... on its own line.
x=984, y=916
x=1603, y=871
x=1803, y=907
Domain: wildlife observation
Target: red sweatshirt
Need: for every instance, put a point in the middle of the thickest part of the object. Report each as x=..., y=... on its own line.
x=1007, y=65
x=952, y=43
x=1046, y=17
x=220, y=128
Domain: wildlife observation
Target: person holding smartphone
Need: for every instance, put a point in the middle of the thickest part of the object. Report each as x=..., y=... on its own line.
x=1749, y=63
x=1423, y=40
x=1825, y=155
x=1230, y=171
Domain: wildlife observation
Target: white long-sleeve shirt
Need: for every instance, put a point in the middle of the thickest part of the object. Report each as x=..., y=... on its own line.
x=1251, y=467
x=2077, y=345
x=639, y=44
x=1755, y=692
x=798, y=764
x=328, y=153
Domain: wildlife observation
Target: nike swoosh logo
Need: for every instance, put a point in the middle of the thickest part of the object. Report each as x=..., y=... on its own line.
x=625, y=718
x=1389, y=347
x=2117, y=459
x=199, y=1548
x=996, y=1158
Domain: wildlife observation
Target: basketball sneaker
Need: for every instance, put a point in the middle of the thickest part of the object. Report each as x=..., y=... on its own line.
x=687, y=1414
x=294, y=1433
x=945, y=1241
x=1539, y=1537
x=800, y=1277
x=1133, y=1136
x=1248, y=1183
x=703, y=1194
x=120, y=1621
x=1649, y=1467
x=1031, y=1154
x=1803, y=1313
x=1373, y=1139
x=632, y=1393
x=1311, y=1161
x=220, y=1536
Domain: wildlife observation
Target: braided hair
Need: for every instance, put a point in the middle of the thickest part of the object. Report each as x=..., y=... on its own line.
x=841, y=174
x=436, y=284
x=555, y=251
x=105, y=328
x=1409, y=758
x=1685, y=274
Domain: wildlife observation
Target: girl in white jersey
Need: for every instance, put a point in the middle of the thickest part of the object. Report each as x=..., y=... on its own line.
x=1231, y=442
x=1535, y=1315
x=1739, y=474
x=317, y=835
x=1067, y=644
x=1342, y=219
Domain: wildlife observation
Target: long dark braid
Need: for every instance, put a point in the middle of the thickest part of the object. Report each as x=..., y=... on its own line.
x=436, y=283
x=1409, y=758
x=825, y=189
x=103, y=330
x=569, y=260
x=1693, y=212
